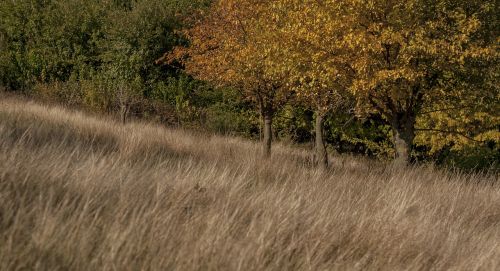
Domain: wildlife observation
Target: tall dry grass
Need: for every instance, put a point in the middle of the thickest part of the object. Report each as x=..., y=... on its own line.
x=86, y=193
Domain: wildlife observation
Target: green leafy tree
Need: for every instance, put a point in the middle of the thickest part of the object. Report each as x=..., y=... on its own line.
x=47, y=41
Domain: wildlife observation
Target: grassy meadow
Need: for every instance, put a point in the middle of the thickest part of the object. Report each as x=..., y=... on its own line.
x=82, y=192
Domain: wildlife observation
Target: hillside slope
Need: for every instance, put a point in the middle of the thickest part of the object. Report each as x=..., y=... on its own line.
x=85, y=193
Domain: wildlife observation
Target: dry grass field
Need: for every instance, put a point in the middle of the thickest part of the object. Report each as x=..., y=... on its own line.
x=80, y=192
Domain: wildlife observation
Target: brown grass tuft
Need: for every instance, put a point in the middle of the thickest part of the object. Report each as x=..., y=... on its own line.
x=86, y=193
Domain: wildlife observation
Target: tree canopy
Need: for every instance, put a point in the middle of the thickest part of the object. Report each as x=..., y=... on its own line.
x=414, y=79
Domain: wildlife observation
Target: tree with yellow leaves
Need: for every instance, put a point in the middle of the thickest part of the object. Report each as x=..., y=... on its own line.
x=417, y=55
x=316, y=39
x=231, y=45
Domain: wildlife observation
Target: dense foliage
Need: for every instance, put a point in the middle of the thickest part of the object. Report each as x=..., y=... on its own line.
x=415, y=80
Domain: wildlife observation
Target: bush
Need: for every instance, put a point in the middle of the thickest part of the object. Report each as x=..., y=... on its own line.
x=68, y=93
x=485, y=157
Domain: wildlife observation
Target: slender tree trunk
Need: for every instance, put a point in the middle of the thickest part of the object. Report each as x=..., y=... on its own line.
x=123, y=113
x=122, y=99
x=403, y=130
x=261, y=124
x=268, y=122
x=321, y=154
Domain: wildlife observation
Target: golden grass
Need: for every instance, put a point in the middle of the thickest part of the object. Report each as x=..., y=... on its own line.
x=87, y=193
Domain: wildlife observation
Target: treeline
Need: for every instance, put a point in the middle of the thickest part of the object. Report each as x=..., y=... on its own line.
x=411, y=80
x=95, y=53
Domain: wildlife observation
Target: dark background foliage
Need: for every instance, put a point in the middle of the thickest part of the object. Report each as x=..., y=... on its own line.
x=100, y=55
